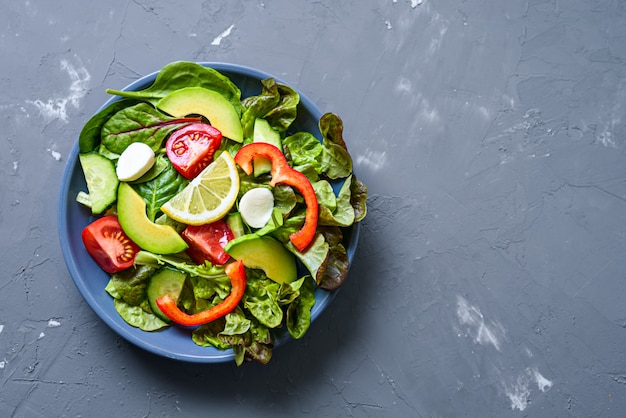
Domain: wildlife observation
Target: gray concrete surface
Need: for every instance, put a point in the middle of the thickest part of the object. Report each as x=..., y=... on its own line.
x=491, y=274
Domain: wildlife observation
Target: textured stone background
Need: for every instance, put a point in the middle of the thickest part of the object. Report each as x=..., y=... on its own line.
x=490, y=276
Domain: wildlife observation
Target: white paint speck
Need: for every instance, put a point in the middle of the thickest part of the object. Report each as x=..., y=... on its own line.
x=56, y=108
x=3, y=363
x=56, y=155
x=218, y=38
x=374, y=160
x=482, y=333
x=1, y=328
x=606, y=139
x=53, y=323
x=404, y=85
x=415, y=3
x=41, y=335
x=519, y=392
x=542, y=383
x=388, y=24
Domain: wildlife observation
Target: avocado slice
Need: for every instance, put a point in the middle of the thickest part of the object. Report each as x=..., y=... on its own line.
x=208, y=103
x=265, y=253
x=131, y=212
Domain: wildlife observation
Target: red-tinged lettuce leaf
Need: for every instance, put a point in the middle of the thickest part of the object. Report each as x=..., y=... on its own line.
x=331, y=127
x=139, y=123
x=336, y=267
x=335, y=159
x=89, y=138
x=358, y=199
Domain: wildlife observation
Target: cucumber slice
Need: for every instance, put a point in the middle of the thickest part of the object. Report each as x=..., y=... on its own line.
x=263, y=132
x=166, y=281
x=235, y=223
x=101, y=181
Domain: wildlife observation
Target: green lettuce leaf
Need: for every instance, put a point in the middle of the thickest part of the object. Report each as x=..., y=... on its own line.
x=343, y=214
x=261, y=299
x=277, y=103
x=303, y=148
x=336, y=160
x=130, y=285
x=325, y=195
x=315, y=257
x=298, y=317
x=138, y=317
x=207, y=270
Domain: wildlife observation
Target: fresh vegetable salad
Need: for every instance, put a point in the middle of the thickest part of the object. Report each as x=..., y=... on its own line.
x=211, y=212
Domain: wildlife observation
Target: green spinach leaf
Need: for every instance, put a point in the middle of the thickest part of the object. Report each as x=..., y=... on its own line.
x=180, y=74
x=160, y=189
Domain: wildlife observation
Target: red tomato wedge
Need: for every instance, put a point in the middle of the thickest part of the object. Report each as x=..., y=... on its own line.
x=207, y=242
x=191, y=149
x=108, y=245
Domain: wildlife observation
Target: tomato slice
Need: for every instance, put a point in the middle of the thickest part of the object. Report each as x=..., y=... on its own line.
x=108, y=245
x=207, y=242
x=191, y=149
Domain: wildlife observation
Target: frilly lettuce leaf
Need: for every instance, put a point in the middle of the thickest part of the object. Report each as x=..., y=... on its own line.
x=343, y=213
x=299, y=311
x=277, y=103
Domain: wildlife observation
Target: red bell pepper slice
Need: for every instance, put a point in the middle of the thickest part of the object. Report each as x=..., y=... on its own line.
x=237, y=275
x=283, y=173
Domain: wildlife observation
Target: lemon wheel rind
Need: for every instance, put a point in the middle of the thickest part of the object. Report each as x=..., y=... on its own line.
x=180, y=208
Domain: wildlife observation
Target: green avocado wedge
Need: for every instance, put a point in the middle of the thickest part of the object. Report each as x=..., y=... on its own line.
x=156, y=238
x=265, y=253
x=208, y=103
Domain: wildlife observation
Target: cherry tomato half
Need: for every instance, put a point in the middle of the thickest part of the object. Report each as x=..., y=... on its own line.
x=191, y=149
x=108, y=245
x=207, y=242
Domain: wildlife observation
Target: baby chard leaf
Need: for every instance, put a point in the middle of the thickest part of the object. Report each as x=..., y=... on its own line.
x=139, y=123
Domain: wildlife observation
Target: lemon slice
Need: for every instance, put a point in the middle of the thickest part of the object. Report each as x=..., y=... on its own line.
x=209, y=196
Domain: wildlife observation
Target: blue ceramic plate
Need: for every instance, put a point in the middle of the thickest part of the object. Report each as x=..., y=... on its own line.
x=173, y=342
